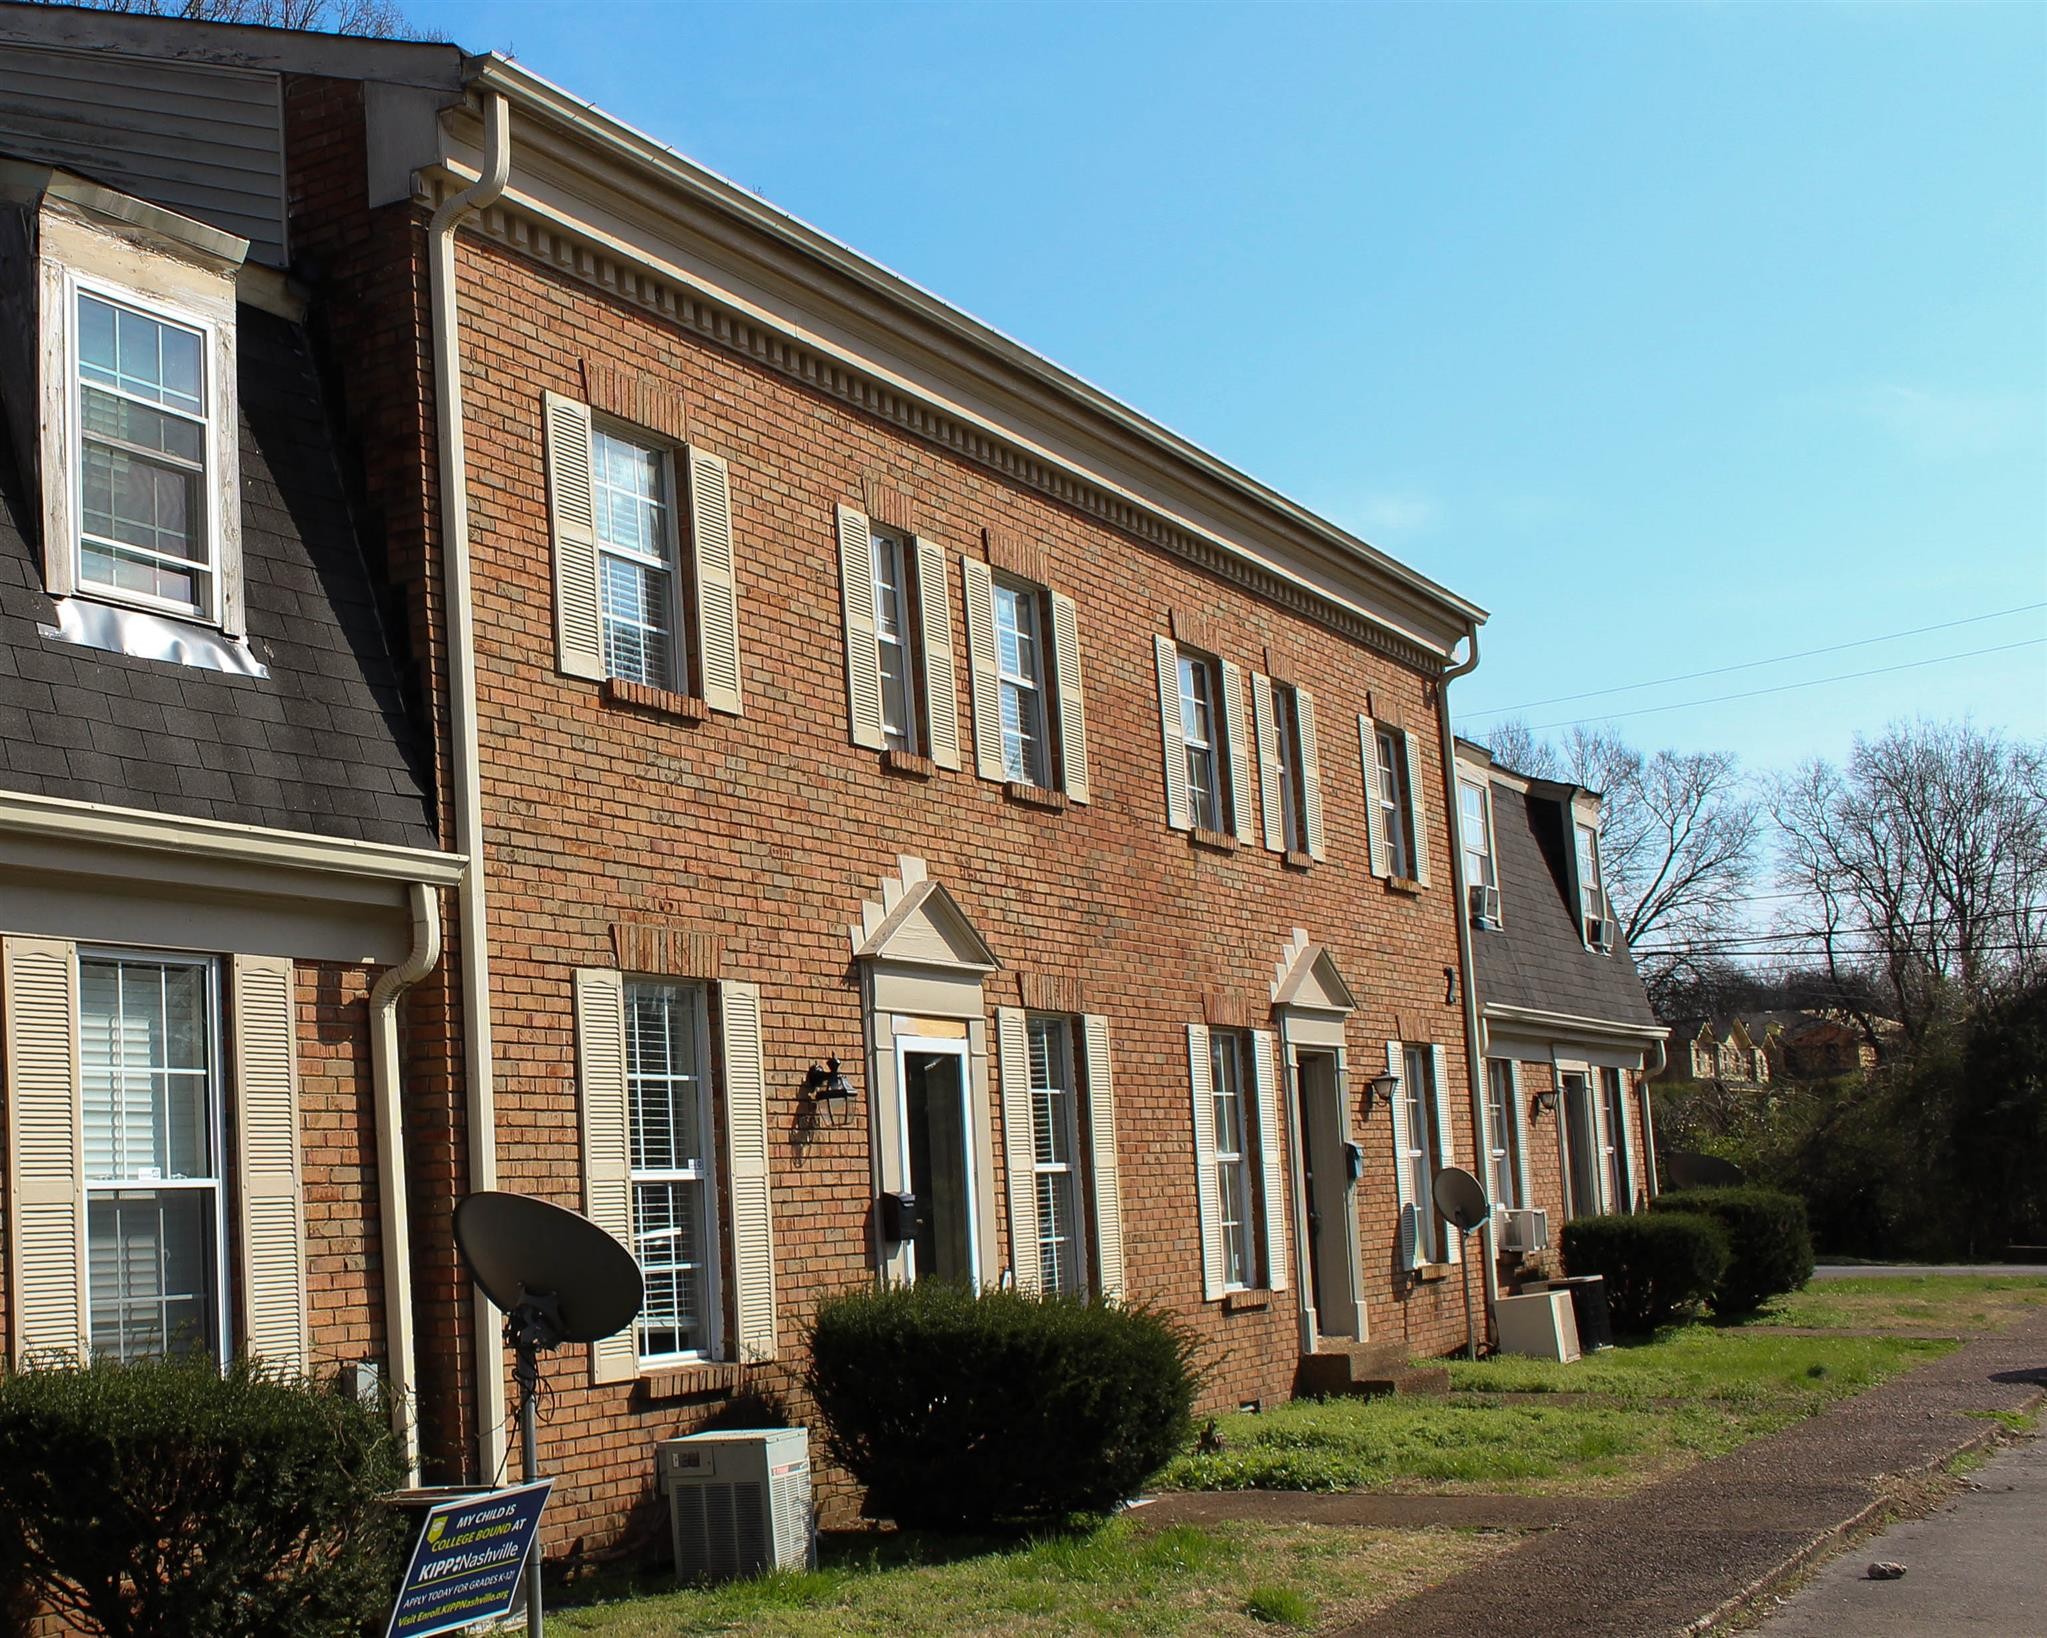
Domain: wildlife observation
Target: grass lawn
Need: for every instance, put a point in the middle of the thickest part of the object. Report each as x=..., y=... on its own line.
x=1730, y=1387
x=1965, y=1302
x=1229, y=1578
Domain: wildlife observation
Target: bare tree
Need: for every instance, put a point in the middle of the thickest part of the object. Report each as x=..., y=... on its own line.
x=1924, y=860
x=376, y=19
x=1678, y=837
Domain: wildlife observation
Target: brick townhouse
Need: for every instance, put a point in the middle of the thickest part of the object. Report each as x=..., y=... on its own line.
x=839, y=797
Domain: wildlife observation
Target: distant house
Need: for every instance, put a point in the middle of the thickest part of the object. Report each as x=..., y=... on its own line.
x=1756, y=1048
x=1568, y=1032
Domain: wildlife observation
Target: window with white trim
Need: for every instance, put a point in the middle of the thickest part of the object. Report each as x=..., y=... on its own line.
x=1475, y=834
x=1234, y=1120
x=633, y=498
x=1418, y=1089
x=1591, y=888
x=1500, y=1111
x=150, y=1085
x=1293, y=798
x=1620, y=1177
x=1020, y=661
x=894, y=640
x=1201, y=733
x=674, y=1191
x=1055, y=1150
x=147, y=492
x=1396, y=803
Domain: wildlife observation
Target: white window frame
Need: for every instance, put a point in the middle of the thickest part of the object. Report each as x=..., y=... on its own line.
x=1502, y=1138
x=669, y=561
x=216, y=424
x=1213, y=751
x=1233, y=1154
x=216, y=1137
x=704, y=1174
x=1396, y=800
x=1591, y=873
x=1293, y=778
x=1060, y=1092
x=1486, y=853
x=1027, y=688
x=894, y=603
x=1418, y=1088
x=1620, y=1180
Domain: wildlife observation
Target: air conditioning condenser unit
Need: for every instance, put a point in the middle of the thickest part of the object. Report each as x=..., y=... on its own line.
x=738, y=1502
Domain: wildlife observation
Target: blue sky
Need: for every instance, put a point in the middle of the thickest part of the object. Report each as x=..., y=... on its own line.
x=1678, y=336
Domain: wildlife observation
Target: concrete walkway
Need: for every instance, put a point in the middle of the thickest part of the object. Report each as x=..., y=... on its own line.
x=1676, y=1556
x=1978, y=1565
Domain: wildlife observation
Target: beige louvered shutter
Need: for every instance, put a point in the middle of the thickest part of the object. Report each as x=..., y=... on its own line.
x=941, y=688
x=1446, y=1154
x=1179, y=811
x=1416, y=809
x=1518, y=1118
x=1311, y=772
x=267, y=1144
x=578, y=626
x=710, y=535
x=1403, y=1152
x=1233, y=752
x=863, y=648
x=1375, y=814
x=746, y=1172
x=1273, y=1205
x=981, y=663
x=1072, y=698
x=1207, y=1197
x=1104, y=1172
x=45, y=1150
x=607, y=1150
x=1271, y=771
x=1019, y=1145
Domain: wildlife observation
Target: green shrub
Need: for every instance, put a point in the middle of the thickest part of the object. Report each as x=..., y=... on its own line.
x=960, y=1410
x=1769, y=1246
x=1655, y=1267
x=172, y=1497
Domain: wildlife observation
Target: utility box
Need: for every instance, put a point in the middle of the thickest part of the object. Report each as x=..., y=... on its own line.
x=738, y=1502
x=1538, y=1323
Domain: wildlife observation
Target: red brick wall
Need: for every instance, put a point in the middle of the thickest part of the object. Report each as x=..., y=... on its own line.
x=338, y=1164
x=1546, y=1166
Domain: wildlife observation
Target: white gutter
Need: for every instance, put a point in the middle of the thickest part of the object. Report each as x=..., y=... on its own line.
x=394, y=1217
x=1536, y=1019
x=1649, y=1074
x=1467, y=966
x=471, y=908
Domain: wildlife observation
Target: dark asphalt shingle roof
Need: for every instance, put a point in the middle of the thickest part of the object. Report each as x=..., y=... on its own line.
x=1538, y=958
x=323, y=744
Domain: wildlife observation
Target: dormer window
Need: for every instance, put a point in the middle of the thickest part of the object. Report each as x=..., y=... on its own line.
x=1475, y=832
x=1593, y=910
x=145, y=497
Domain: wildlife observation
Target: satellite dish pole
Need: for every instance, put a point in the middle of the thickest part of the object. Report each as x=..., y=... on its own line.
x=559, y=1278
x=1460, y=1197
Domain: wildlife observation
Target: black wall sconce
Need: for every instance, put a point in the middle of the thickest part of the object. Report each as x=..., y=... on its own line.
x=1380, y=1089
x=1545, y=1102
x=826, y=1088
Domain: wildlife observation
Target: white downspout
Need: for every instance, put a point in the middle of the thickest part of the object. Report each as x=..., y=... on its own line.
x=470, y=901
x=1467, y=968
x=394, y=1218
x=1649, y=1074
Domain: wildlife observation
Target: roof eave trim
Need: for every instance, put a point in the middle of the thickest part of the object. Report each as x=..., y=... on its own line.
x=64, y=819
x=1564, y=1023
x=635, y=149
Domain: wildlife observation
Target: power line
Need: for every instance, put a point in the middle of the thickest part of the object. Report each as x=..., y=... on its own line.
x=1786, y=688
x=1751, y=665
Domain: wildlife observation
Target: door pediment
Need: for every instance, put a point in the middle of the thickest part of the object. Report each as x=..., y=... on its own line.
x=1307, y=978
x=916, y=922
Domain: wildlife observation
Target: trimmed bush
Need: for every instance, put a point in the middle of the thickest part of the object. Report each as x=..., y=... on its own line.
x=966, y=1411
x=1655, y=1267
x=1769, y=1245
x=171, y=1497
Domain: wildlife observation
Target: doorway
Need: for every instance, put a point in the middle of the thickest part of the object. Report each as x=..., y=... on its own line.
x=1581, y=1133
x=938, y=1160
x=1327, y=1186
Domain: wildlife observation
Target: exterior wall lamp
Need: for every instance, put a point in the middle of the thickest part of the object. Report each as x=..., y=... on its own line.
x=1546, y=1102
x=825, y=1087
x=1380, y=1089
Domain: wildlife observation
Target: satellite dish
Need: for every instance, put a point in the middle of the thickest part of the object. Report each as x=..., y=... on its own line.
x=528, y=1253
x=559, y=1278
x=1461, y=1198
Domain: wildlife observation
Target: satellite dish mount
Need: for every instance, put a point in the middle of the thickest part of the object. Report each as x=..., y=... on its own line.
x=1460, y=1198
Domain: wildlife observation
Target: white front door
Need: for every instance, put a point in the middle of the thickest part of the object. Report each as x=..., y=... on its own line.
x=937, y=1151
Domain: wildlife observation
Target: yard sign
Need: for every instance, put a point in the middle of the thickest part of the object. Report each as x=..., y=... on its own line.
x=467, y=1562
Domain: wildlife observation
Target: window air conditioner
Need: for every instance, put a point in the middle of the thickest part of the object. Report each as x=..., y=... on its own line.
x=738, y=1503
x=1525, y=1231
x=1600, y=933
x=1485, y=905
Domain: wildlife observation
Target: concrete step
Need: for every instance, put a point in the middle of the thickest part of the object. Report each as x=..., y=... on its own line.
x=1366, y=1368
x=1417, y=1379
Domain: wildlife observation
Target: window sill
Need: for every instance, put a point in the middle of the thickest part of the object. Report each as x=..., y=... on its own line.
x=1431, y=1272
x=690, y=1381
x=908, y=764
x=1035, y=796
x=1404, y=884
x=1246, y=1301
x=1295, y=860
x=661, y=702
x=1216, y=840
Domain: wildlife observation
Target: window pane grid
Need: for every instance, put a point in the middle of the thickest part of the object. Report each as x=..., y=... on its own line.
x=1020, y=666
x=892, y=633
x=1499, y=1116
x=1197, y=733
x=1232, y=1163
x=1054, y=1141
x=1286, y=718
x=1476, y=835
x=1393, y=802
x=1418, y=1097
x=636, y=559
x=669, y=1135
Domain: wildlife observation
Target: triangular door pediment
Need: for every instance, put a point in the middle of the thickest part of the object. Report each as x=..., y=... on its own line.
x=927, y=928
x=1309, y=979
